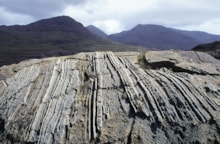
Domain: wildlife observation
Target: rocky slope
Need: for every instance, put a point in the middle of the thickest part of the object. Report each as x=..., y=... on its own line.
x=105, y=97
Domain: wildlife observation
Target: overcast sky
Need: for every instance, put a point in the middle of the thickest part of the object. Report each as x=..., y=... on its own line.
x=117, y=15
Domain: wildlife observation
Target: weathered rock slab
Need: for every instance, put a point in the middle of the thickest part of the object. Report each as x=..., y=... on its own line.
x=102, y=97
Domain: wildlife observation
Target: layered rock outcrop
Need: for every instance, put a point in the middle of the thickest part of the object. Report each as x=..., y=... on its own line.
x=105, y=97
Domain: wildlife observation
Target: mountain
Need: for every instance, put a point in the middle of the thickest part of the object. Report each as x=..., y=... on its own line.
x=202, y=37
x=103, y=97
x=94, y=30
x=211, y=48
x=50, y=37
x=160, y=37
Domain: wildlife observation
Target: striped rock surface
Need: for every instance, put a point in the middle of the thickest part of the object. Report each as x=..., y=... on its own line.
x=105, y=97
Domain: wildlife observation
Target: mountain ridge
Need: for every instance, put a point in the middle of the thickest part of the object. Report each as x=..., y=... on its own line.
x=136, y=36
x=56, y=36
x=160, y=37
x=63, y=35
x=203, y=37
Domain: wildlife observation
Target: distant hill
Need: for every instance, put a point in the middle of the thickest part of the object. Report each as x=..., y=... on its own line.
x=160, y=37
x=50, y=37
x=94, y=30
x=200, y=36
x=211, y=48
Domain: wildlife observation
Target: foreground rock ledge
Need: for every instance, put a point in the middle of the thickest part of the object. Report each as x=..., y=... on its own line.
x=105, y=97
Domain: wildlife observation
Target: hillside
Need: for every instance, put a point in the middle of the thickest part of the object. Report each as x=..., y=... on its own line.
x=200, y=36
x=51, y=37
x=104, y=97
x=94, y=30
x=211, y=48
x=159, y=37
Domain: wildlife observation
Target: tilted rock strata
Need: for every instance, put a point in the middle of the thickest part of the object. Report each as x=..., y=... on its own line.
x=103, y=97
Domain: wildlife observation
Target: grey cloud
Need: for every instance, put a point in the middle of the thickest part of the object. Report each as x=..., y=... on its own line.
x=37, y=8
x=173, y=16
x=170, y=13
x=7, y=18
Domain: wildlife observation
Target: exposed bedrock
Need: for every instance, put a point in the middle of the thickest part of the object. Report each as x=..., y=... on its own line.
x=105, y=97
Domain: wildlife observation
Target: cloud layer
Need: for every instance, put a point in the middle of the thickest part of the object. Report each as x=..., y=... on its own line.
x=117, y=15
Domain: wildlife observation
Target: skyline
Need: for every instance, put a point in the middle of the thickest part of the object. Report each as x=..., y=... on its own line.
x=114, y=16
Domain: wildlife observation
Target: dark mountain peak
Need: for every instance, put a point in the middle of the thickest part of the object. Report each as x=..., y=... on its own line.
x=91, y=27
x=149, y=29
x=155, y=36
x=50, y=37
x=96, y=31
x=59, y=20
x=148, y=26
x=161, y=37
x=60, y=23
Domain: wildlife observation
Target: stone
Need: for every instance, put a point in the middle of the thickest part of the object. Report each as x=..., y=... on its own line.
x=105, y=97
